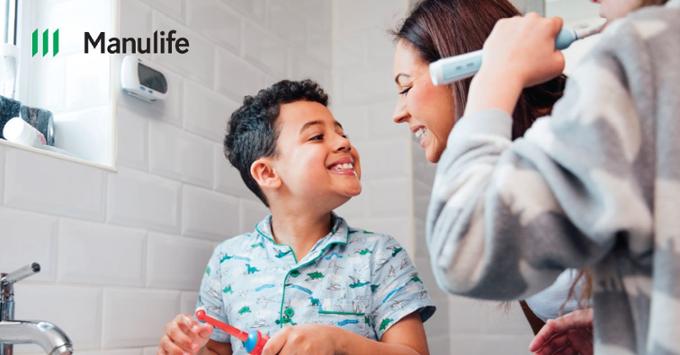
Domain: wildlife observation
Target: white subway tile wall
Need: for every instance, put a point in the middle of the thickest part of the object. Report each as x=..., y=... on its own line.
x=173, y=262
x=236, y=77
x=187, y=304
x=133, y=317
x=206, y=112
x=214, y=20
x=132, y=131
x=180, y=155
x=22, y=231
x=227, y=179
x=208, y=214
x=140, y=199
x=41, y=183
x=98, y=253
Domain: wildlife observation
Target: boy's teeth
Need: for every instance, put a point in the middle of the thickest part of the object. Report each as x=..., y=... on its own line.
x=419, y=133
x=344, y=166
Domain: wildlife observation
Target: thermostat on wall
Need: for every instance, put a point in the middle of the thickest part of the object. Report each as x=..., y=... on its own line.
x=139, y=79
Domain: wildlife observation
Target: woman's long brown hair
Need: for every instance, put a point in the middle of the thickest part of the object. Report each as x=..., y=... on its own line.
x=652, y=2
x=444, y=28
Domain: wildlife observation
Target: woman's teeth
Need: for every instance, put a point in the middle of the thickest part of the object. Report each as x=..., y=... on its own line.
x=420, y=133
x=345, y=166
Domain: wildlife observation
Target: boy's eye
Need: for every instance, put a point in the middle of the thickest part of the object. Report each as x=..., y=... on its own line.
x=318, y=137
x=403, y=92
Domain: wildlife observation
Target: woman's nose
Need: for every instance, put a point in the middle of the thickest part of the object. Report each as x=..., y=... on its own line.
x=400, y=114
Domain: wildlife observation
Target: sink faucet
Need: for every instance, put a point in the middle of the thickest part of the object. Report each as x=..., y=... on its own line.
x=45, y=334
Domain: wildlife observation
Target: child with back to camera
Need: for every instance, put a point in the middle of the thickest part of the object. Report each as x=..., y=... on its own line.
x=595, y=185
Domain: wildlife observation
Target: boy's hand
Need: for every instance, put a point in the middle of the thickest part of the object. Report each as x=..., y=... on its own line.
x=523, y=49
x=184, y=336
x=302, y=340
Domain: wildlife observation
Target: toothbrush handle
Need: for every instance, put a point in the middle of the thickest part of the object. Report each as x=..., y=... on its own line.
x=452, y=69
x=565, y=38
x=203, y=316
x=459, y=67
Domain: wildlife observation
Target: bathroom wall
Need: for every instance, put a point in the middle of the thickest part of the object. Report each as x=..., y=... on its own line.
x=122, y=252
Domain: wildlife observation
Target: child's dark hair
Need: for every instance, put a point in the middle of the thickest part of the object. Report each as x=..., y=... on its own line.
x=252, y=132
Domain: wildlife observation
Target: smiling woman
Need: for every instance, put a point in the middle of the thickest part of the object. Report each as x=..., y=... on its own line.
x=438, y=29
x=442, y=28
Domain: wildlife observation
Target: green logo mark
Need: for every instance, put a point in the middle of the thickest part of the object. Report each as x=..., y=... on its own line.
x=45, y=42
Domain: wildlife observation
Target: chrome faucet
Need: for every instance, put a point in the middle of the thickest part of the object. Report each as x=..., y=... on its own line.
x=45, y=334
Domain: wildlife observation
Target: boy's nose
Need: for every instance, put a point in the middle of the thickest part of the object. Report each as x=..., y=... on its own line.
x=343, y=144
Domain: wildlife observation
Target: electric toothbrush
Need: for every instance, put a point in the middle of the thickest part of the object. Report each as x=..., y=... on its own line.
x=448, y=70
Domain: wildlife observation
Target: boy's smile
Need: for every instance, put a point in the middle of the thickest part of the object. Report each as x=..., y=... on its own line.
x=314, y=158
x=344, y=166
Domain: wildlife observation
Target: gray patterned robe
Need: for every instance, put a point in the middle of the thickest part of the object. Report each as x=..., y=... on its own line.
x=597, y=184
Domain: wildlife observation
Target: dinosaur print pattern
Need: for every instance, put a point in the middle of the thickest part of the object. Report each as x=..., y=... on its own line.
x=361, y=282
x=316, y=275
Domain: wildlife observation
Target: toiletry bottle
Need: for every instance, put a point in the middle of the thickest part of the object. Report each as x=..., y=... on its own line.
x=19, y=131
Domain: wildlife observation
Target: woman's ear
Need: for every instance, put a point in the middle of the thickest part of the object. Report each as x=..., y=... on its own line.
x=264, y=174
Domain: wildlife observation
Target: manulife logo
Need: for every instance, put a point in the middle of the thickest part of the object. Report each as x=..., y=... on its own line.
x=45, y=42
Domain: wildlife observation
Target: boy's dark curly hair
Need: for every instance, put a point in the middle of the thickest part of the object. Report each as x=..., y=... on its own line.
x=252, y=132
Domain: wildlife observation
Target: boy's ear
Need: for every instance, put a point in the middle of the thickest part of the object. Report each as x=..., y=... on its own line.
x=264, y=174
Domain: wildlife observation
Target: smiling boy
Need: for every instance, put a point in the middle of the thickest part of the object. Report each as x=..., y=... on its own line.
x=303, y=276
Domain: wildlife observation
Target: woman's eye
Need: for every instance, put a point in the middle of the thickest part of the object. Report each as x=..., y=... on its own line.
x=403, y=92
x=318, y=137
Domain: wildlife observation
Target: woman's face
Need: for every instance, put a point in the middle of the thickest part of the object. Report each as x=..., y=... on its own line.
x=613, y=9
x=427, y=109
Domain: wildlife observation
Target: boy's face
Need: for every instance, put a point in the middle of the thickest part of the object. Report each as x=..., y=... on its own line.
x=315, y=160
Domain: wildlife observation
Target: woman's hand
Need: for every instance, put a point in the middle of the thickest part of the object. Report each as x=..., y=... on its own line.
x=519, y=52
x=302, y=340
x=184, y=335
x=569, y=334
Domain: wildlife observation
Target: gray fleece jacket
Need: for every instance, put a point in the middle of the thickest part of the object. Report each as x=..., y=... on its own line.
x=595, y=185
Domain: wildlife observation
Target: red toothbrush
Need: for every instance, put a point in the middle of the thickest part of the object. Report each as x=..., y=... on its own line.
x=253, y=341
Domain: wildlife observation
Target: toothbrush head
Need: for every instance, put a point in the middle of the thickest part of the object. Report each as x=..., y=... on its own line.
x=201, y=314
